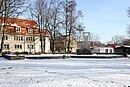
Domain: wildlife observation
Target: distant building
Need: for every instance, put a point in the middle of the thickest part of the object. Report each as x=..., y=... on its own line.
x=122, y=49
x=79, y=44
x=23, y=36
x=103, y=50
x=62, y=43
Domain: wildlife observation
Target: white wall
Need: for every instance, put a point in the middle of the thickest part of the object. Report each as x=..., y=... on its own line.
x=25, y=43
x=103, y=50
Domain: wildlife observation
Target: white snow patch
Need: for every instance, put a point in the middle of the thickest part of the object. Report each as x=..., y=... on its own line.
x=65, y=73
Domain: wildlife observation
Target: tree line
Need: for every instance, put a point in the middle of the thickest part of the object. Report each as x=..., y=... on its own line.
x=57, y=16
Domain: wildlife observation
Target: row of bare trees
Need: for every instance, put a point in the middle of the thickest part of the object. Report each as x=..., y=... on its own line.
x=58, y=16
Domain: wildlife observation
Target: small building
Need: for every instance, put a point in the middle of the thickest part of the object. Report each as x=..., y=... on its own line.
x=62, y=43
x=103, y=50
x=73, y=43
x=122, y=49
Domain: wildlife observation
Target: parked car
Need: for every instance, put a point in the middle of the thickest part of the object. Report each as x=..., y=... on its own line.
x=83, y=51
x=6, y=52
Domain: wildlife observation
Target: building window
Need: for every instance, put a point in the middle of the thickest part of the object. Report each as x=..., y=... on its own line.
x=6, y=38
x=15, y=38
x=6, y=46
x=30, y=30
x=19, y=38
x=18, y=46
x=17, y=29
x=30, y=46
x=29, y=39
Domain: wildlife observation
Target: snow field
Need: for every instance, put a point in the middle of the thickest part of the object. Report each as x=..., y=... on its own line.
x=65, y=73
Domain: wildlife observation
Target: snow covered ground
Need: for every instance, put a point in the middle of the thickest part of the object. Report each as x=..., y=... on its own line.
x=65, y=73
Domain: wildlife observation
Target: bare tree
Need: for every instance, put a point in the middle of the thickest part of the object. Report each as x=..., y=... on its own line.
x=118, y=39
x=80, y=30
x=66, y=19
x=128, y=30
x=94, y=37
x=71, y=9
x=126, y=42
x=71, y=17
x=38, y=11
x=9, y=8
x=47, y=14
x=128, y=26
x=51, y=14
x=54, y=20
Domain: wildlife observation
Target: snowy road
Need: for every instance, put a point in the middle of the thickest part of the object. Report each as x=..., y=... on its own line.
x=65, y=73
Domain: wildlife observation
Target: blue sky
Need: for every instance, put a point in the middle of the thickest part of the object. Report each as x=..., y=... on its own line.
x=106, y=18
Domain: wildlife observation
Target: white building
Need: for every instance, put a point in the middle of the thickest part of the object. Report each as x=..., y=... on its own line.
x=23, y=36
x=103, y=50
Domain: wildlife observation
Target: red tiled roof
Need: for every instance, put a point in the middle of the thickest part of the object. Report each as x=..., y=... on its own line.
x=23, y=24
x=46, y=32
x=10, y=29
x=116, y=46
x=27, y=23
x=36, y=31
x=24, y=30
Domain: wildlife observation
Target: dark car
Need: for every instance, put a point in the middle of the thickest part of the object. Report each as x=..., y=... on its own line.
x=83, y=51
x=5, y=52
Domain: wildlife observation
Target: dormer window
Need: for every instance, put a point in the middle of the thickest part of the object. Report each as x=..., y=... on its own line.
x=17, y=29
x=30, y=30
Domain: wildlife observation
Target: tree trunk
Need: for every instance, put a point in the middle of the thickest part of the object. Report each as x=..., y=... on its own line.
x=44, y=45
x=3, y=31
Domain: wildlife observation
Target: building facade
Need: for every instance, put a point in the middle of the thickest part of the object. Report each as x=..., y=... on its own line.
x=62, y=41
x=122, y=49
x=23, y=36
x=73, y=43
x=103, y=50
